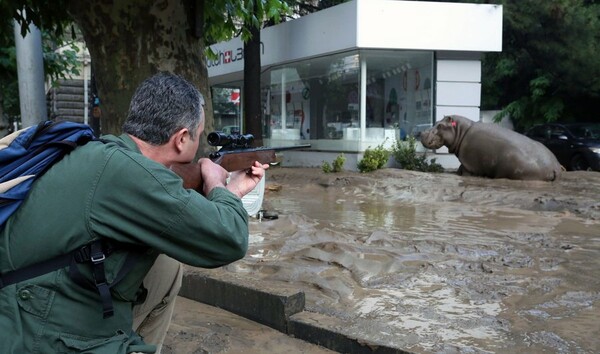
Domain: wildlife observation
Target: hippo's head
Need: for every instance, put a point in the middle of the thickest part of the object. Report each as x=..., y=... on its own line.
x=442, y=133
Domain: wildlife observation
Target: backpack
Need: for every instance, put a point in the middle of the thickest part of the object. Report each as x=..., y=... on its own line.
x=24, y=156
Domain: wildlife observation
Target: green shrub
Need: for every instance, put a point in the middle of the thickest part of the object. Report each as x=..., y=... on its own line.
x=374, y=159
x=336, y=166
x=405, y=153
x=338, y=163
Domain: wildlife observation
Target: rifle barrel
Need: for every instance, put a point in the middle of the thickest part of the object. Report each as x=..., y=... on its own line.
x=262, y=148
x=291, y=147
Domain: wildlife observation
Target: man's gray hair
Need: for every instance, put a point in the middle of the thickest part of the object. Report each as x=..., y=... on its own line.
x=162, y=105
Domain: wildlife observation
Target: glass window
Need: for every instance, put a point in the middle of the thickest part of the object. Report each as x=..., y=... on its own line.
x=399, y=92
x=319, y=99
x=315, y=99
x=227, y=108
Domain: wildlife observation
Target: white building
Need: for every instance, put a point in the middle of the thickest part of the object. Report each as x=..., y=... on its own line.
x=348, y=77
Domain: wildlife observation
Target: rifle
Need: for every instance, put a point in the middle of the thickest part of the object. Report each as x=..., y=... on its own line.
x=236, y=153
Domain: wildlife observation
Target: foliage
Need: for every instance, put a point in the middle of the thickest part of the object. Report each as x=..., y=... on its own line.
x=336, y=166
x=223, y=19
x=305, y=7
x=549, y=68
x=338, y=163
x=405, y=153
x=57, y=64
x=48, y=16
x=374, y=159
x=121, y=64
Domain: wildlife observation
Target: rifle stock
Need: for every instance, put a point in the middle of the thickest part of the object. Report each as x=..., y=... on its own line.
x=241, y=159
x=231, y=160
x=190, y=173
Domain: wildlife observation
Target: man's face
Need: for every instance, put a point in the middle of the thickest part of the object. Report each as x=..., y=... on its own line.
x=193, y=145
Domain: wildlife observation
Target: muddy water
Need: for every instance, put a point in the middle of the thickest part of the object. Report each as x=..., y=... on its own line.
x=436, y=262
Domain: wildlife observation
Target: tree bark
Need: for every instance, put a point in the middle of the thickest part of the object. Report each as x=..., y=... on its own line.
x=252, y=93
x=134, y=39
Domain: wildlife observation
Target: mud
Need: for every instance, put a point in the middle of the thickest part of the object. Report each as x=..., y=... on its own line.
x=201, y=329
x=437, y=263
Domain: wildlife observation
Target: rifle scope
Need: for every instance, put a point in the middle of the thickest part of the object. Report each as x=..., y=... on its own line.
x=230, y=140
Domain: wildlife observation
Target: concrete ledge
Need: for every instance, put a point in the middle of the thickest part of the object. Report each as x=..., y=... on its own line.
x=332, y=333
x=271, y=308
x=278, y=307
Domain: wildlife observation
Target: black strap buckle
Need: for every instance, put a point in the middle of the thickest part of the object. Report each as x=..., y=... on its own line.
x=98, y=258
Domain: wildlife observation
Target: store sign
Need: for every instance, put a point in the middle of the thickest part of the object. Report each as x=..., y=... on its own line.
x=230, y=56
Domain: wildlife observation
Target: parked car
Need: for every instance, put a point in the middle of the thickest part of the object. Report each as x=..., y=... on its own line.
x=576, y=145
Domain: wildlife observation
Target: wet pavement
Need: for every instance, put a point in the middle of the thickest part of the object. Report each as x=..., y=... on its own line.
x=437, y=263
x=198, y=328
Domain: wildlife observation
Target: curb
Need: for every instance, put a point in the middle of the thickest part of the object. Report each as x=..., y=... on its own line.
x=280, y=308
x=268, y=308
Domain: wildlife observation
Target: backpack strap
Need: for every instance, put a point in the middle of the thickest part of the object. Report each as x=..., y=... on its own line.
x=94, y=253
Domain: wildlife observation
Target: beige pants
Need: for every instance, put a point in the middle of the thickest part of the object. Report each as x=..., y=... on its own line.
x=151, y=319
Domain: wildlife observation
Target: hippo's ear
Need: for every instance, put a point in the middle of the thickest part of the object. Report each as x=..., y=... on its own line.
x=452, y=121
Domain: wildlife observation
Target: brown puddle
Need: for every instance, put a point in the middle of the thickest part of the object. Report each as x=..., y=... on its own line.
x=436, y=262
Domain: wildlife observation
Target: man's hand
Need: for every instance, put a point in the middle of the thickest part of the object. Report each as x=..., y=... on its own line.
x=205, y=175
x=213, y=175
x=242, y=182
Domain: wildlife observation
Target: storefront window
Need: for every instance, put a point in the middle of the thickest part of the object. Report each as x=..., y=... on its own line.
x=315, y=99
x=227, y=108
x=319, y=99
x=399, y=91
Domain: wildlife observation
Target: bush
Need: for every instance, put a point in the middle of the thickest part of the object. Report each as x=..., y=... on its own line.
x=326, y=167
x=338, y=163
x=405, y=153
x=336, y=166
x=374, y=159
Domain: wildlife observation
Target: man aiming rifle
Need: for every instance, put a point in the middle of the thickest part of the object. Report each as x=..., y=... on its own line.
x=117, y=206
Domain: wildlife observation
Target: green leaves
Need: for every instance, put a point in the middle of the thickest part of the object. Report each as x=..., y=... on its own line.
x=373, y=159
x=239, y=17
x=549, y=68
x=406, y=155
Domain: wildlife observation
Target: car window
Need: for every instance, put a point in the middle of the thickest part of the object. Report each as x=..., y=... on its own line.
x=587, y=131
x=580, y=132
x=556, y=132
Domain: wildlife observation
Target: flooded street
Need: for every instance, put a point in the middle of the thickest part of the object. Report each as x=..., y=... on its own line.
x=438, y=263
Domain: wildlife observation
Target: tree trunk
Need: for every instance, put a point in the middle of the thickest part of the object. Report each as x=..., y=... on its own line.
x=134, y=39
x=252, y=96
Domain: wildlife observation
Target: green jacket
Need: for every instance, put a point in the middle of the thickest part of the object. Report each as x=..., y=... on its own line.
x=104, y=190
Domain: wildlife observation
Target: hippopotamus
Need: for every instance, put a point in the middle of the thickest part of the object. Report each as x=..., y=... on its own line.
x=489, y=150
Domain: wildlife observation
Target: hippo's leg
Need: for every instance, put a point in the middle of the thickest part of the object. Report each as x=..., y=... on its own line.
x=462, y=171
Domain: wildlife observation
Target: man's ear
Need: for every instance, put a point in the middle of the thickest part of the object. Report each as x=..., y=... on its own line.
x=180, y=139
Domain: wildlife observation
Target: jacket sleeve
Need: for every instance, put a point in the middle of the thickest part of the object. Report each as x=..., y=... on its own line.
x=136, y=200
